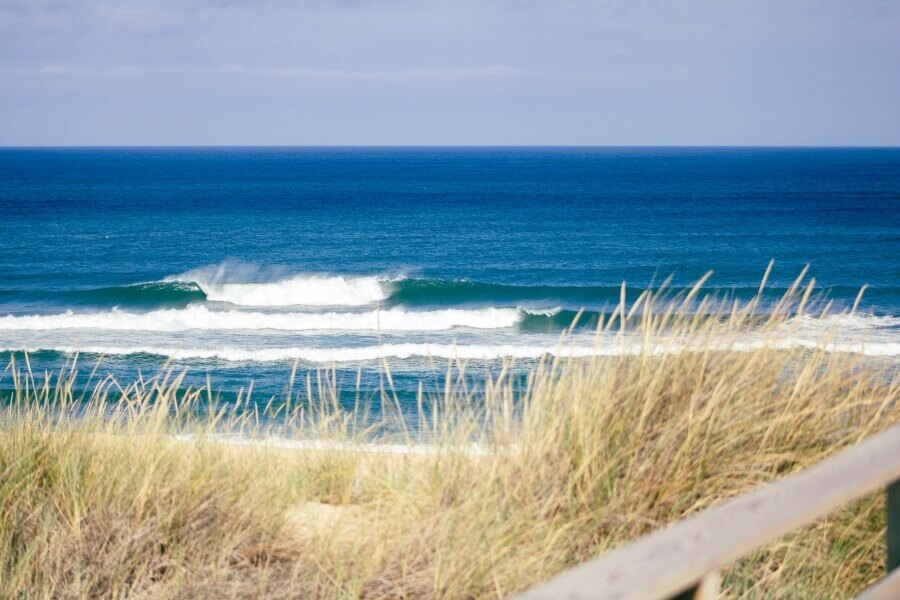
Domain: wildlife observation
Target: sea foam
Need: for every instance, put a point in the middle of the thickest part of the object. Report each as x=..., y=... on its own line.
x=473, y=352
x=244, y=285
x=200, y=317
x=298, y=291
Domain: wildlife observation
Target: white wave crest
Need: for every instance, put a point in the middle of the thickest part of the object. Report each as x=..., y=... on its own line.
x=248, y=284
x=325, y=355
x=469, y=352
x=844, y=322
x=199, y=317
x=542, y=312
x=302, y=290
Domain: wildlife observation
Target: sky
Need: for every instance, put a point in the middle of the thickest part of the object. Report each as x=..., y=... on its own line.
x=451, y=72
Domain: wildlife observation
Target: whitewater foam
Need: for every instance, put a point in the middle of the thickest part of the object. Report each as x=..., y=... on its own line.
x=327, y=355
x=239, y=285
x=199, y=317
x=473, y=352
x=844, y=322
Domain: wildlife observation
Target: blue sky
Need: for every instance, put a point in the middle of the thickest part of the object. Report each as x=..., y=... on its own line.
x=601, y=72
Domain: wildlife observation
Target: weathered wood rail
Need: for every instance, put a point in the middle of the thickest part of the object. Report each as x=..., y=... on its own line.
x=683, y=560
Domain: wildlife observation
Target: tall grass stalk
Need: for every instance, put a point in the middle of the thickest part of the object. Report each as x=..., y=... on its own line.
x=127, y=490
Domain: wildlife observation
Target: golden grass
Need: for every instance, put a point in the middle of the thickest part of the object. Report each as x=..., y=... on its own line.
x=99, y=499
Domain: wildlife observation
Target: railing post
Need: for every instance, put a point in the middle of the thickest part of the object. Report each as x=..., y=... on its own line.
x=893, y=526
x=682, y=560
x=707, y=589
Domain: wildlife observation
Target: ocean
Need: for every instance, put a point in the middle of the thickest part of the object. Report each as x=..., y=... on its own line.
x=235, y=264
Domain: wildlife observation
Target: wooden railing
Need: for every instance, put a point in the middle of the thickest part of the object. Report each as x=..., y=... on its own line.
x=683, y=560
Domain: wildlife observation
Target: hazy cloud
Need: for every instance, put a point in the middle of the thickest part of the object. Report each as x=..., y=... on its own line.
x=451, y=73
x=288, y=72
x=466, y=71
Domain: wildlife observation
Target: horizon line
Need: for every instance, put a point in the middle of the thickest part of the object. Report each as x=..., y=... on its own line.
x=451, y=146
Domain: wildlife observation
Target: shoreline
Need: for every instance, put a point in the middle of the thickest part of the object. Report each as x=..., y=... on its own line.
x=418, y=449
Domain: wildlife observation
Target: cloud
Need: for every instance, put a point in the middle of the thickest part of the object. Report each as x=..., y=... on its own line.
x=57, y=69
x=452, y=73
x=432, y=71
x=287, y=72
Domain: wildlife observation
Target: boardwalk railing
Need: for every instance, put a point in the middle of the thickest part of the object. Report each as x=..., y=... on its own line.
x=683, y=560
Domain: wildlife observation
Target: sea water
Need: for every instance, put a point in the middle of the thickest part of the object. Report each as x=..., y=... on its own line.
x=239, y=263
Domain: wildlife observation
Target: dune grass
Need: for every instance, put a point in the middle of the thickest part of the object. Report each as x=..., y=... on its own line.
x=136, y=496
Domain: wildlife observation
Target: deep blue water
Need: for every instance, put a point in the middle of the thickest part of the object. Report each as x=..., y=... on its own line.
x=237, y=261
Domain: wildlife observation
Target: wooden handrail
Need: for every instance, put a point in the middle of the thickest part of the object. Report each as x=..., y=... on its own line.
x=678, y=561
x=886, y=589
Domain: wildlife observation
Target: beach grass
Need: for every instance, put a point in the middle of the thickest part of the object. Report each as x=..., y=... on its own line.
x=143, y=491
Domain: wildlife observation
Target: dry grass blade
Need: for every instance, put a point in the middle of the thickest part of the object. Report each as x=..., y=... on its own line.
x=125, y=490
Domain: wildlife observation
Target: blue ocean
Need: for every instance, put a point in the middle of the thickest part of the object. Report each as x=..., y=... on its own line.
x=241, y=264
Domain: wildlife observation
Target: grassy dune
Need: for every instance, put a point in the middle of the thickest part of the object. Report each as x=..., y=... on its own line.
x=102, y=499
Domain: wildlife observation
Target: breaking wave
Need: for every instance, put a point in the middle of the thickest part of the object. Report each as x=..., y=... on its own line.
x=249, y=285
x=199, y=317
x=224, y=284
x=848, y=322
x=463, y=352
